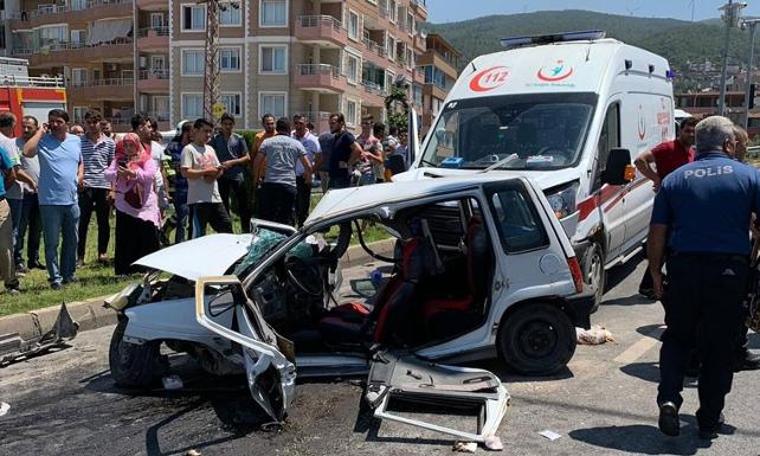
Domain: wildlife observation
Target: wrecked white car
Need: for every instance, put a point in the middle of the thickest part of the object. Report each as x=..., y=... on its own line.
x=481, y=268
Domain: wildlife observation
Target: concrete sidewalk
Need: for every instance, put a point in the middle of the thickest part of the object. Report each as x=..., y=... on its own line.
x=91, y=314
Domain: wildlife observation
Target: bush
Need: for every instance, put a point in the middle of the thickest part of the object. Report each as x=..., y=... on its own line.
x=248, y=135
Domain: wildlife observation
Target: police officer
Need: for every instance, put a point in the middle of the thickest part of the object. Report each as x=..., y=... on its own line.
x=701, y=213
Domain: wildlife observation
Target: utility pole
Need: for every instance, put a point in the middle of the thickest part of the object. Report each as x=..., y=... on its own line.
x=751, y=23
x=730, y=16
x=211, y=88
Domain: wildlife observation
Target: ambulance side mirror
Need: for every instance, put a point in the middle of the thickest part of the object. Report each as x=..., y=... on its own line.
x=619, y=169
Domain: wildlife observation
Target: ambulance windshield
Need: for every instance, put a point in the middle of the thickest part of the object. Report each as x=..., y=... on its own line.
x=517, y=132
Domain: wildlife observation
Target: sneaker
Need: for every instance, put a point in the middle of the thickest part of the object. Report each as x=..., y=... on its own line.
x=80, y=263
x=20, y=268
x=103, y=258
x=56, y=285
x=70, y=280
x=668, y=422
x=12, y=290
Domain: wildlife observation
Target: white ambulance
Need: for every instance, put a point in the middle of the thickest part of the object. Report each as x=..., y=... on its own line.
x=558, y=109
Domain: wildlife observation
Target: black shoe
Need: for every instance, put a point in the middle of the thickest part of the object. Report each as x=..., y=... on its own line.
x=21, y=268
x=647, y=293
x=750, y=361
x=708, y=434
x=37, y=265
x=669, y=423
x=56, y=285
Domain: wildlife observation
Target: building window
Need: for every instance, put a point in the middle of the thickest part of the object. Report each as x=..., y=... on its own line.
x=193, y=18
x=160, y=107
x=193, y=62
x=157, y=20
x=231, y=102
x=78, y=5
x=273, y=13
x=390, y=46
x=352, y=112
x=78, y=36
x=353, y=67
x=353, y=26
x=273, y=103
x=389, y=81
x=230, y=16
x=78, y=77
x=79, y=112
x=272, y=59
x=417, y=95
x=192, y=105
x=229, y=59
x=392, y=10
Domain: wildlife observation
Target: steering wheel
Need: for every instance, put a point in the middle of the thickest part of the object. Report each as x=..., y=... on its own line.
x=308, y=278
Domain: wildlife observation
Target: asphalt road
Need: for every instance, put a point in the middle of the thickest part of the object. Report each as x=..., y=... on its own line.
x=604, y=403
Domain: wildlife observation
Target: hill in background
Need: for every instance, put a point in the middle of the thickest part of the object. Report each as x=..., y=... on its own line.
x=679, y=41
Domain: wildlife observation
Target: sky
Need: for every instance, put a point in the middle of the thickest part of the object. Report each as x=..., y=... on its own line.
x=455, y=10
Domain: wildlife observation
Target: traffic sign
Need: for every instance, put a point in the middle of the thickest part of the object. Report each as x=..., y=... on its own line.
x=217, y=110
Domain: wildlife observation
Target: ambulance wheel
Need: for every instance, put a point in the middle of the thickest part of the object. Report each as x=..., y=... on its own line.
x=594, y=275
x=132, y=365
x=536, y=339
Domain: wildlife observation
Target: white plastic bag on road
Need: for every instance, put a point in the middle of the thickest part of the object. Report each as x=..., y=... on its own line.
x=597, y=335
x=4, y=407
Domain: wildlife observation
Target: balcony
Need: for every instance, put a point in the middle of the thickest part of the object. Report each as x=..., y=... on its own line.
x=321, y=78
x=9, y=80
x=53, y=54
x=373, y=94
x=324, y=30
x=89, y=11
x=153, y=39
x=111, y=89
x=153, y=81
x=152, y=5
x=375, y=53
x=419, y=6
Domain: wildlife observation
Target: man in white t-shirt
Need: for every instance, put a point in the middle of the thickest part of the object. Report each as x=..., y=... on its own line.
x=201, y=167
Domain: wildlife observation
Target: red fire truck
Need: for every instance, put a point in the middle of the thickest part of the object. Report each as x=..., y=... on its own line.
x=28, y=96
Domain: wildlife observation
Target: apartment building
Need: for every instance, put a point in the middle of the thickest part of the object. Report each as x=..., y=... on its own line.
x=276, y=56
x=439, y=64
x=88, y=42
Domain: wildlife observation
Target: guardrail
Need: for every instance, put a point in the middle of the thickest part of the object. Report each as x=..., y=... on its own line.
x=320, y=20
x=153, y=74
x=67, y=46
x=110, y=82
x=306, y=69
x=50, y=9
x=30, y=81
x=158, y=31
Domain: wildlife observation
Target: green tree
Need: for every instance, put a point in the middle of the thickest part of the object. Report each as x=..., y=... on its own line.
x=397, y=105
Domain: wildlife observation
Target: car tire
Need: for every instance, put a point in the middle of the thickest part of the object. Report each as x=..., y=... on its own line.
x=537, y=339
x=594, y=275
x=132, y=365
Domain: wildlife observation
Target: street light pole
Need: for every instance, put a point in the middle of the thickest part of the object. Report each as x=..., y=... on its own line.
x=729, y=8
x=751, y=24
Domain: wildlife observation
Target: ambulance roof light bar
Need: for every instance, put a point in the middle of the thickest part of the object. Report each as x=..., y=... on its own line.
x=520, y=41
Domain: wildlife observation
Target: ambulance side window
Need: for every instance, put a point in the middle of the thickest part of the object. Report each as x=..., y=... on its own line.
x=608, y=140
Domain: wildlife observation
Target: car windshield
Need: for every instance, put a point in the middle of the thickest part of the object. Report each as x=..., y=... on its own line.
x=518, y=132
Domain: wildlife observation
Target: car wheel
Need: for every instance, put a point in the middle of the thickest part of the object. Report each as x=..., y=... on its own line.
x=537, y=339
x=594, y=275
x=132, y=365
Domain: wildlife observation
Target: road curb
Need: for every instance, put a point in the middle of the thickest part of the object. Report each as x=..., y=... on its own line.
x=91, y=314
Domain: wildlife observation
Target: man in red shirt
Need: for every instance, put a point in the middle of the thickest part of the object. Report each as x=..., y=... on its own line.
x=667, y=157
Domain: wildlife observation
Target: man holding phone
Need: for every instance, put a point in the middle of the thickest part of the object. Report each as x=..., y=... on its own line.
x=201, y=167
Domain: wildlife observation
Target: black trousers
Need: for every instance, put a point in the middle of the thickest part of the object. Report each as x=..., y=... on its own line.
x=214, y=214
x=340, y=181
x=135, y=238
x=276, y=202
x=94, y=199
x=303, y=200
x=703, y=311
x=237, y=186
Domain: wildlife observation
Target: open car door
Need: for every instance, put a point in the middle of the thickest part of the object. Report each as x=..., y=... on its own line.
x=271, y=374
x=397, y=378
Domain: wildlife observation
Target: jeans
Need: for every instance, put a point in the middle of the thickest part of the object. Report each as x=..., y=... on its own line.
x=214, y=214
x=30, y=218
x=703, y=310
x=60, y=223
x=340, y=182
x=97, y=199
x=181, y=212
x=236, y=186
x=277, y=202
x=17, y=208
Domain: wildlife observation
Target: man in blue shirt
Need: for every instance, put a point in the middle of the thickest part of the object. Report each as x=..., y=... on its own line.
x=702, y=214
x=232, y=151
x=7, y=268
x=174, y=149
x=303, y=189
x=61, y=171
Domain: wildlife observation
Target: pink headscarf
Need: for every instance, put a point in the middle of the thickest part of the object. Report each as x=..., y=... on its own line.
x=121, y=150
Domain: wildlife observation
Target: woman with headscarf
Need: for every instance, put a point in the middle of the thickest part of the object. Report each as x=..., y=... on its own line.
x=138, y=219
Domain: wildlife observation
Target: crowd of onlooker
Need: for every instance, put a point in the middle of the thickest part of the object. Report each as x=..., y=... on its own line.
x=55, y=176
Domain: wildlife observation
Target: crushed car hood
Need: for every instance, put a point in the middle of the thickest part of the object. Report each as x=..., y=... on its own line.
x=211, y=255
x=544, y=179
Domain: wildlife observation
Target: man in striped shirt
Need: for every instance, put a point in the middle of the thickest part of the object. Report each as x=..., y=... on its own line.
x=95, y=190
